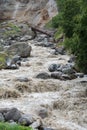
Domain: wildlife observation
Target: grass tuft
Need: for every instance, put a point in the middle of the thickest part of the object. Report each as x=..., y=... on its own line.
x=8, y=126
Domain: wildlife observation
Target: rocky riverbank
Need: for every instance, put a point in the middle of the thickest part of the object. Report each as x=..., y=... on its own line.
x=43, y=84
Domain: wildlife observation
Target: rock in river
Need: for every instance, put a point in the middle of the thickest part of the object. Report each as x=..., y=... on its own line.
x=21, y=49
x=43, y=75
x=13, y=114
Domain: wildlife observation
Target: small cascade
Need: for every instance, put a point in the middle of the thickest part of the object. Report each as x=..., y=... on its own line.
x=16, y=8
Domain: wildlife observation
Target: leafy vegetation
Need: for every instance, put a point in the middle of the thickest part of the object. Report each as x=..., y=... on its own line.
x=72, y=18
x=49, y=24
x=3, y=57
x=13, y=30
x=59, y=33
x=10, y=30
x=7, y=126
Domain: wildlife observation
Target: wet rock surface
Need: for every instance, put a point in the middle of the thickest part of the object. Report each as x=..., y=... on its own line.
x=12, y=114
x=26, y=120
x=21, y=49
x=53, y=67
x=43, y=75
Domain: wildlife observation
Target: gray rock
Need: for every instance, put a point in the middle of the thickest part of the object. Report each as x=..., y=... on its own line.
x=61, y=76
x=8, y=62
x=65, y=77
x=43, y=75
x=25, y=38
x=68, y=70
x=83, y=81
x=14, y=66
x=79, y=75
x=38, y=44
x=60, y=50
x=72, y=59
x=13, y=114
x=26, y=120
x=43, y=113
x=21, y=49
x=51, y=39
x=18, y=63
x=25, y=59
x=44, y=44
x=48, y=44
x=4, y=110
x=59, y=68
x=56, y=75
x=53, y=67
x=1, y=117
x=44, y=128
x=15, y=59
x=22, y=79
x=41, y=37
x=36, y=124
x=73, y=76
x=85, y=75
x=12, y=63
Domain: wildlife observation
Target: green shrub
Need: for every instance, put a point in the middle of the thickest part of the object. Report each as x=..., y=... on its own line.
x=57, y=20
x=58, y=34
x=74, y=23
x=49, y=24
x=14, y=27
x=7, y=126
x=60, y=4
x=3, y=57
x=72, y=44
x=12, y=31
x=81, y=62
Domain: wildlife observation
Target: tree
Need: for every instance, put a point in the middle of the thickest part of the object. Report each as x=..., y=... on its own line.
x=73, y=14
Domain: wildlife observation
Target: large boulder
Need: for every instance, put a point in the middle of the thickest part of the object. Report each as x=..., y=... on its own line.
x=13, y=114
x=26, y=120
x=36, y=124
x=21, y=49
x=53, y=67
